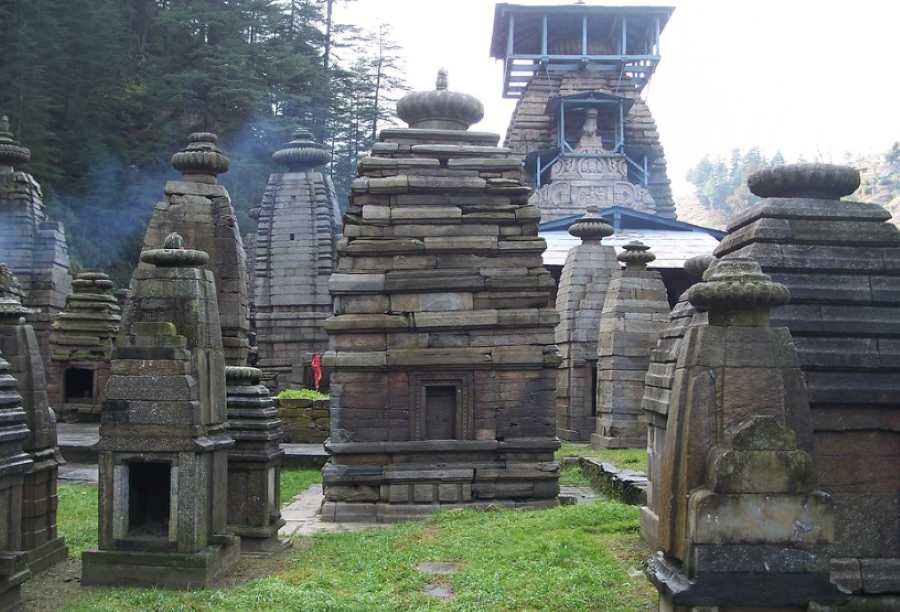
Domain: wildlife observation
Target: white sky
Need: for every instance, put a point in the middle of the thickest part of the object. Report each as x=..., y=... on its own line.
x=801, y=76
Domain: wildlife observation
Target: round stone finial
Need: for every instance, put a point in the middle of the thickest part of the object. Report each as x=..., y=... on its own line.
x=737, y=285
x=301, y=153
x=11, y=151
x=592, y=226
x=440, y=109
x=823, y=181
x=697, y=265
x=242, y=375
x=636, y=255
x=443, y=79
x=174, y=255
x=202, y=157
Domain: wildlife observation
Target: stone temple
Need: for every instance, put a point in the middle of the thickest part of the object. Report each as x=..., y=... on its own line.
x=292, y=258
x=841, y=261
x=199, y=209
x=31, y=244
x=164, y=442
x=444, y=358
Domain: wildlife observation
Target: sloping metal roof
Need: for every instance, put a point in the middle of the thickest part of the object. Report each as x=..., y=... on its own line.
x=671, y=247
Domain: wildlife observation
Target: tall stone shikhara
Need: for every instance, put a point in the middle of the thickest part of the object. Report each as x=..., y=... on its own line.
x=445, y=364
x=200, y=210
x=583, y=284
x=841, y=261
x=31, y=244
x=294, y=250
x=41, y=541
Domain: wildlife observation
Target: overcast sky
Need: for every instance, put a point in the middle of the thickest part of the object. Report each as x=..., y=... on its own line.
x=801, y=76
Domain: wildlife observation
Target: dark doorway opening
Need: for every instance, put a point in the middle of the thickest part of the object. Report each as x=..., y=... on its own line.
x=79, y=384
x=591, y=365
x=440, y=412
x=149, y=499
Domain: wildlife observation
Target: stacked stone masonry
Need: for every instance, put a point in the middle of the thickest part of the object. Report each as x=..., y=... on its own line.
x=443, y=336
x=200, y=210
x=163, y=450
x=635, y=310
x=294, y=250
x=81, y=344
x=41, y=541
x=841, y=261
x=32, y=245
x=583, y=285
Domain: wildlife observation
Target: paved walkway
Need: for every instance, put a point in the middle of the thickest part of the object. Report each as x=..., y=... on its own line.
x=303, y=519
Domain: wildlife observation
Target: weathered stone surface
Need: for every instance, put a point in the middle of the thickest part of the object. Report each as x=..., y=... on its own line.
x=737, y=477
x=839, y=260
x=296, y=237
x=200, y=210
x=442, y=339
x=32, y=245
x=163, y=455
x=42, y=544
x=635, y=309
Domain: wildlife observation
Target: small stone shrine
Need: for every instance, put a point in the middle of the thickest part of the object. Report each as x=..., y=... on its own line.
x=33, y=246
x=658, y=391
x=841, y=261
x=742, y=525
x=163, y=450
x=298, y=221
x=81, y=345
x=254, y=462
x=42, y=544
x=443, y=335
x=582, y=290
x=200, y=210
x=14, y=464
x=634, y=312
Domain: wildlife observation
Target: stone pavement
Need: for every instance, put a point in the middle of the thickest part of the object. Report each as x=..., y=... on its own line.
x=302, y=516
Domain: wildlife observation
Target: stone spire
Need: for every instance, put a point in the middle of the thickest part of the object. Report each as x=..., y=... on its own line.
x=592, y=226
x=301, y=153
x=11, y=151
x=440, y=109
x=737, y=479
x=11, y=296
x=202, y=159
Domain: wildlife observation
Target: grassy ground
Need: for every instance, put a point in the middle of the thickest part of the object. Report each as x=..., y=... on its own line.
x=586, y=557
x=631, y=458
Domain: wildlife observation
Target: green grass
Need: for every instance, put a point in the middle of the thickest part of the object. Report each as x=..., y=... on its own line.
x=630, y=458
x=582, y=557
x=77, y=516
x=310, y=394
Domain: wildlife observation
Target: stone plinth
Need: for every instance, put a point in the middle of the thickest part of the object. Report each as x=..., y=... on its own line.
x=32, y=245
x=81, y=346
x=444, y=378
x=15, y=462
x=305, y=421
x=41, y=542
x=658, y=391
x=254, y=462
x=635, y=310
x=163, y=450
x=297, y=226
x=840, y=261
x=200, y=210
x=742, y=524
x=582, y=290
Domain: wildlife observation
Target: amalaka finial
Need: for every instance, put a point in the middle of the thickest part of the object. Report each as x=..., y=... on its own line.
x=11, y=152
x=202, y=159
x=174, y=255
x=4, y=123
x=697, y=265
x=301, y=153
x=592, y=226
x=822, y=181
x=636, y=255
x=735, y=291
x=442, y=79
